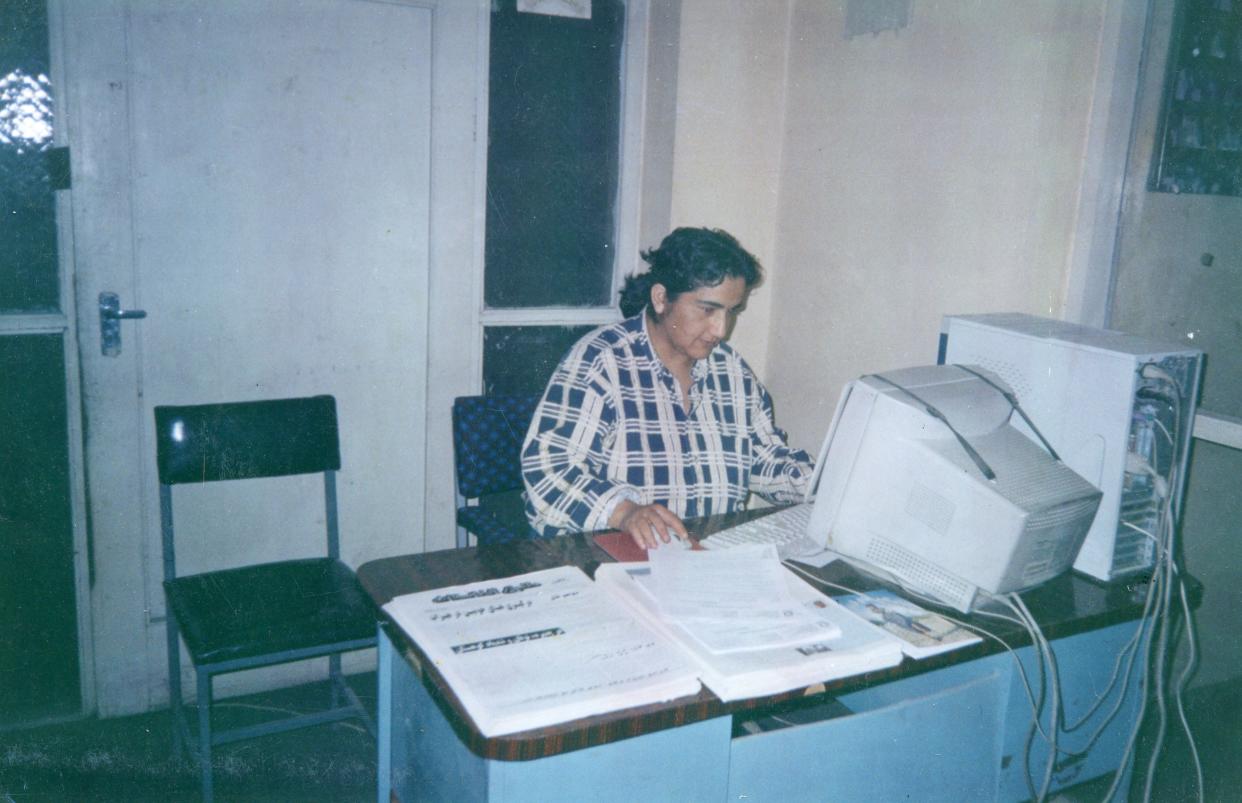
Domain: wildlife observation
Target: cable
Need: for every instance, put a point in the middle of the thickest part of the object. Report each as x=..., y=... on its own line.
x=1128, y=752
x=1166, y=573
x=1151, y=638
x=1047, y=681
x=1191, y=662
x=1167, y=560
x=1126, y=656
x=1037, y=714
x=1149, y=624
x=1054, y=682
x=1163, y=625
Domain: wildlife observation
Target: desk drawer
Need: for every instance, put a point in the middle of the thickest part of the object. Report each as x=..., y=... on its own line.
x=931, y=737
x=430, y=763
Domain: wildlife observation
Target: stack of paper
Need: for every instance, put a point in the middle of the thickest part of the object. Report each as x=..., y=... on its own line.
x=743, y=673
x=735, y=599
x=541, y=648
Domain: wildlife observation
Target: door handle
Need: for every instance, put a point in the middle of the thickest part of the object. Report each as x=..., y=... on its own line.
x=110, y=317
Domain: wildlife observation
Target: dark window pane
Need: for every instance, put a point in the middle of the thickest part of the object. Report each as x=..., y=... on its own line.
x=28, y=264
x=552, y=157
x=38, y=624
x=521, y=359
x=1199, y=145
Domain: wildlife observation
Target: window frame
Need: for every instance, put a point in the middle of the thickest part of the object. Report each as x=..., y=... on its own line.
x=628, y=202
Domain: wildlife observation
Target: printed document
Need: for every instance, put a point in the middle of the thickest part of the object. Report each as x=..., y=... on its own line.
x=733, y=599
x=541, y=648
x=740, y=674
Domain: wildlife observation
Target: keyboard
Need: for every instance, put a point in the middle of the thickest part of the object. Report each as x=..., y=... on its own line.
x=784, y=529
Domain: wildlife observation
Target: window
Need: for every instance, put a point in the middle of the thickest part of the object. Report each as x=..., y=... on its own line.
x=1200, y=145
x=29, y=269
x=557, y=193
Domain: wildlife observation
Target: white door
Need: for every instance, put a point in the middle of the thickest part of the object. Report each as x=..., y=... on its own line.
x=256, y=177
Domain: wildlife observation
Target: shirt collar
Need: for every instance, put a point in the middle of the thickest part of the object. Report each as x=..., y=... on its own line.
x=644, y=347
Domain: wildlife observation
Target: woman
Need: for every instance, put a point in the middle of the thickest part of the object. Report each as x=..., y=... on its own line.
x=656, y=418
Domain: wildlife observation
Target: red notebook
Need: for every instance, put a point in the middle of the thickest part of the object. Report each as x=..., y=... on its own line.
x=623, y=549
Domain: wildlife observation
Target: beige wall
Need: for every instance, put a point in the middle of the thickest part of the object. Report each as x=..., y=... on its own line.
x=885, y=180
x=927, y=172
x=726, y=168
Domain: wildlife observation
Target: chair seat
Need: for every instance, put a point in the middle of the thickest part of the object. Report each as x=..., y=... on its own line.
x=269, y=608
x=497, y=519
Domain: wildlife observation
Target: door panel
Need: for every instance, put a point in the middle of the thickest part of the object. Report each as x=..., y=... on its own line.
x=38, y=624
x=256, y=177
x=39, y=646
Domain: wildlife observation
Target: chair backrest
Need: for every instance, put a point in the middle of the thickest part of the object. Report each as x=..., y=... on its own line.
x=244, y=440
x=487, y=442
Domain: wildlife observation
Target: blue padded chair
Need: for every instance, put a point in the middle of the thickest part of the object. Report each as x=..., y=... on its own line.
x=487, y=459
x=265, y=614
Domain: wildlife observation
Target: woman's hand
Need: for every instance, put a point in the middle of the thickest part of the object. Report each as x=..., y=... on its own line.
x=648, y=525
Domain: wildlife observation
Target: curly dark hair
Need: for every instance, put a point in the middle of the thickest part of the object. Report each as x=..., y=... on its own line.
x=687, y=259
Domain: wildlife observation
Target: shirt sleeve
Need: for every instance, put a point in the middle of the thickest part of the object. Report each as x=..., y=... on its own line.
x=565, y=455
x=778, y=473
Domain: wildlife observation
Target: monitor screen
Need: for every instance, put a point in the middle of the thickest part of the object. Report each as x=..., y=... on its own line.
x=924, y=477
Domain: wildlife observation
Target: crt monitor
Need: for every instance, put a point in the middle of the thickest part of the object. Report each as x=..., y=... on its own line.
x=924, y=477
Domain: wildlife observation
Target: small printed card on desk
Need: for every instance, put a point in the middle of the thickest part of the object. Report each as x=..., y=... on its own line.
x=921, y=632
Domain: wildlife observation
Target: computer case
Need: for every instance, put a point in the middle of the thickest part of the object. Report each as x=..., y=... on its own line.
x=1117, y=408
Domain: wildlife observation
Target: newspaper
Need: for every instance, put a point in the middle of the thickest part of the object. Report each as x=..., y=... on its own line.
x=541, y=648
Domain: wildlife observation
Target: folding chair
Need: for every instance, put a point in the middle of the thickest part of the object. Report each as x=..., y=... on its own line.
x=487, y=459
x=264, y=614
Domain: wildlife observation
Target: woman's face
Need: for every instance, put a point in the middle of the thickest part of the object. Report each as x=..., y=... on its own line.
x=691, y=325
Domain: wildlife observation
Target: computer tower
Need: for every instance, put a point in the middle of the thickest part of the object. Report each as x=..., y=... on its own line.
x=1117, y=408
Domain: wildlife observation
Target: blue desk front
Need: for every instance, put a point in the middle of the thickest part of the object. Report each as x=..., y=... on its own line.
x=952, y=727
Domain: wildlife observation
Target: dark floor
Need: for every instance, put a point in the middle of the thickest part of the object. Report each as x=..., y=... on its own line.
x=1215, y=716
x=128, y=759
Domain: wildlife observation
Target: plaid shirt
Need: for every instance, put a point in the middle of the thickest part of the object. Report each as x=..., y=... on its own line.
x=611, y=426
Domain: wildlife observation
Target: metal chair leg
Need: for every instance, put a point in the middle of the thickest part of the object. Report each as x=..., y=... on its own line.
x=335, y=678
x=174, y=686
x=204, y=732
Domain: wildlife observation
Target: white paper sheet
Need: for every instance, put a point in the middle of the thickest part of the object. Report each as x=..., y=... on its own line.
x=734, y=599
x=751, y=673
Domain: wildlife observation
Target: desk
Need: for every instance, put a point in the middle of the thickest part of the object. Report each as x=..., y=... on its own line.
x=949, y=727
